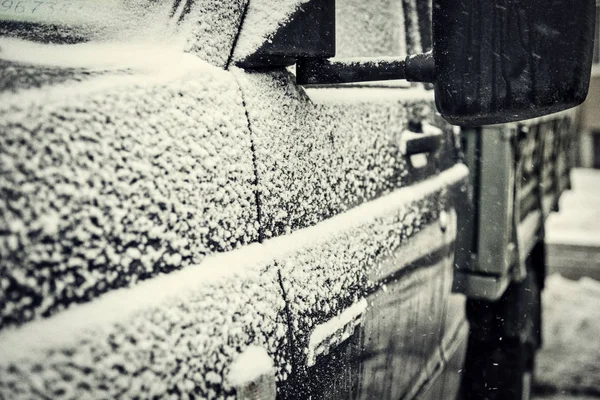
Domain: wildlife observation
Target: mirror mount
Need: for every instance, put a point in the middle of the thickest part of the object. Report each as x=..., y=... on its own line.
x=318, y=71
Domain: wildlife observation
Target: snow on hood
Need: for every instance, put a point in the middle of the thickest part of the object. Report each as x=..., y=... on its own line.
x=135, y=32
x=139, y=55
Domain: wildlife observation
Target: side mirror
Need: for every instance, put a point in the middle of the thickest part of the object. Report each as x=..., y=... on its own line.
x=493, y=61
x=507, y=60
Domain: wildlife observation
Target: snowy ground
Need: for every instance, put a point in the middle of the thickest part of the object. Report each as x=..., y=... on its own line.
x=570, y=358
x=568, y=366
x=578, y=221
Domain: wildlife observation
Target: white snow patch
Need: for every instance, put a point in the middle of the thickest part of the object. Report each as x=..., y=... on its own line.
x=98, y=19
x=253, y=363
x=33, y=339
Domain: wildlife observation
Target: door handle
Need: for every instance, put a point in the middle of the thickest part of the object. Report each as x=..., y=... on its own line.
x=428, y=140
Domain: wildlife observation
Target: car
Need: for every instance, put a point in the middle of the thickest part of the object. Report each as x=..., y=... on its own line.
x=196, y=202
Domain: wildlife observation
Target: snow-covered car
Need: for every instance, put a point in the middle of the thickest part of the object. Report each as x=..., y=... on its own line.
x=179, y=218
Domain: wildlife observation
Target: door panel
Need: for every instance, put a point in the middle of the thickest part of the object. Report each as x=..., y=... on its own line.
x=389, y=348
x=388, y=234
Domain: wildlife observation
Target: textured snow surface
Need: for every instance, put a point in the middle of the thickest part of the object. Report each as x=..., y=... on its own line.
x=324, y=335
x=180, y=348
x=118, y=179
x=262, y=20
x=250, y=365
x=316, y=160
x=134, y=54
x=117, y=306
x=179, y=332
x=108, y=19
x=570, y=358
x=338, y=270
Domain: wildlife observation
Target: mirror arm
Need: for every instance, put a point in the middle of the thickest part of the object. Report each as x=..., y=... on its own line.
x=327, y=71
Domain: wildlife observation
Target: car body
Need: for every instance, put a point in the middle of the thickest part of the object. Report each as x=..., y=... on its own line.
x=174, y=224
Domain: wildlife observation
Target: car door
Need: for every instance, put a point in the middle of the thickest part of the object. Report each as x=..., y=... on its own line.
x=371, y=175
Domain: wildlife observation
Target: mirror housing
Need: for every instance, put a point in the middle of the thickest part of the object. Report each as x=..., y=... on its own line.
x=499, y=61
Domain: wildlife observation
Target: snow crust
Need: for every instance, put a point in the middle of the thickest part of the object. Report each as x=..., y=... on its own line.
x=95, y=19
x=210, y=27
x=119, y=305
x=118, y=179
x=16, y=76
x=134, y=54
x=570, y=357
x=181, y=347
x=118, y=191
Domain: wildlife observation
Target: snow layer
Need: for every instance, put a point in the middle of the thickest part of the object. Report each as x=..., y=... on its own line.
x=106, y=19
x=570, y=357
x=179, y=348
x=339, y=269
x=317, y=160
x=178, y=333
x=209, y=28
x=333, y=332
x=135, y=54
x=115, y=308
x=206, y=28
x=249, y=366
x=117, y=179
